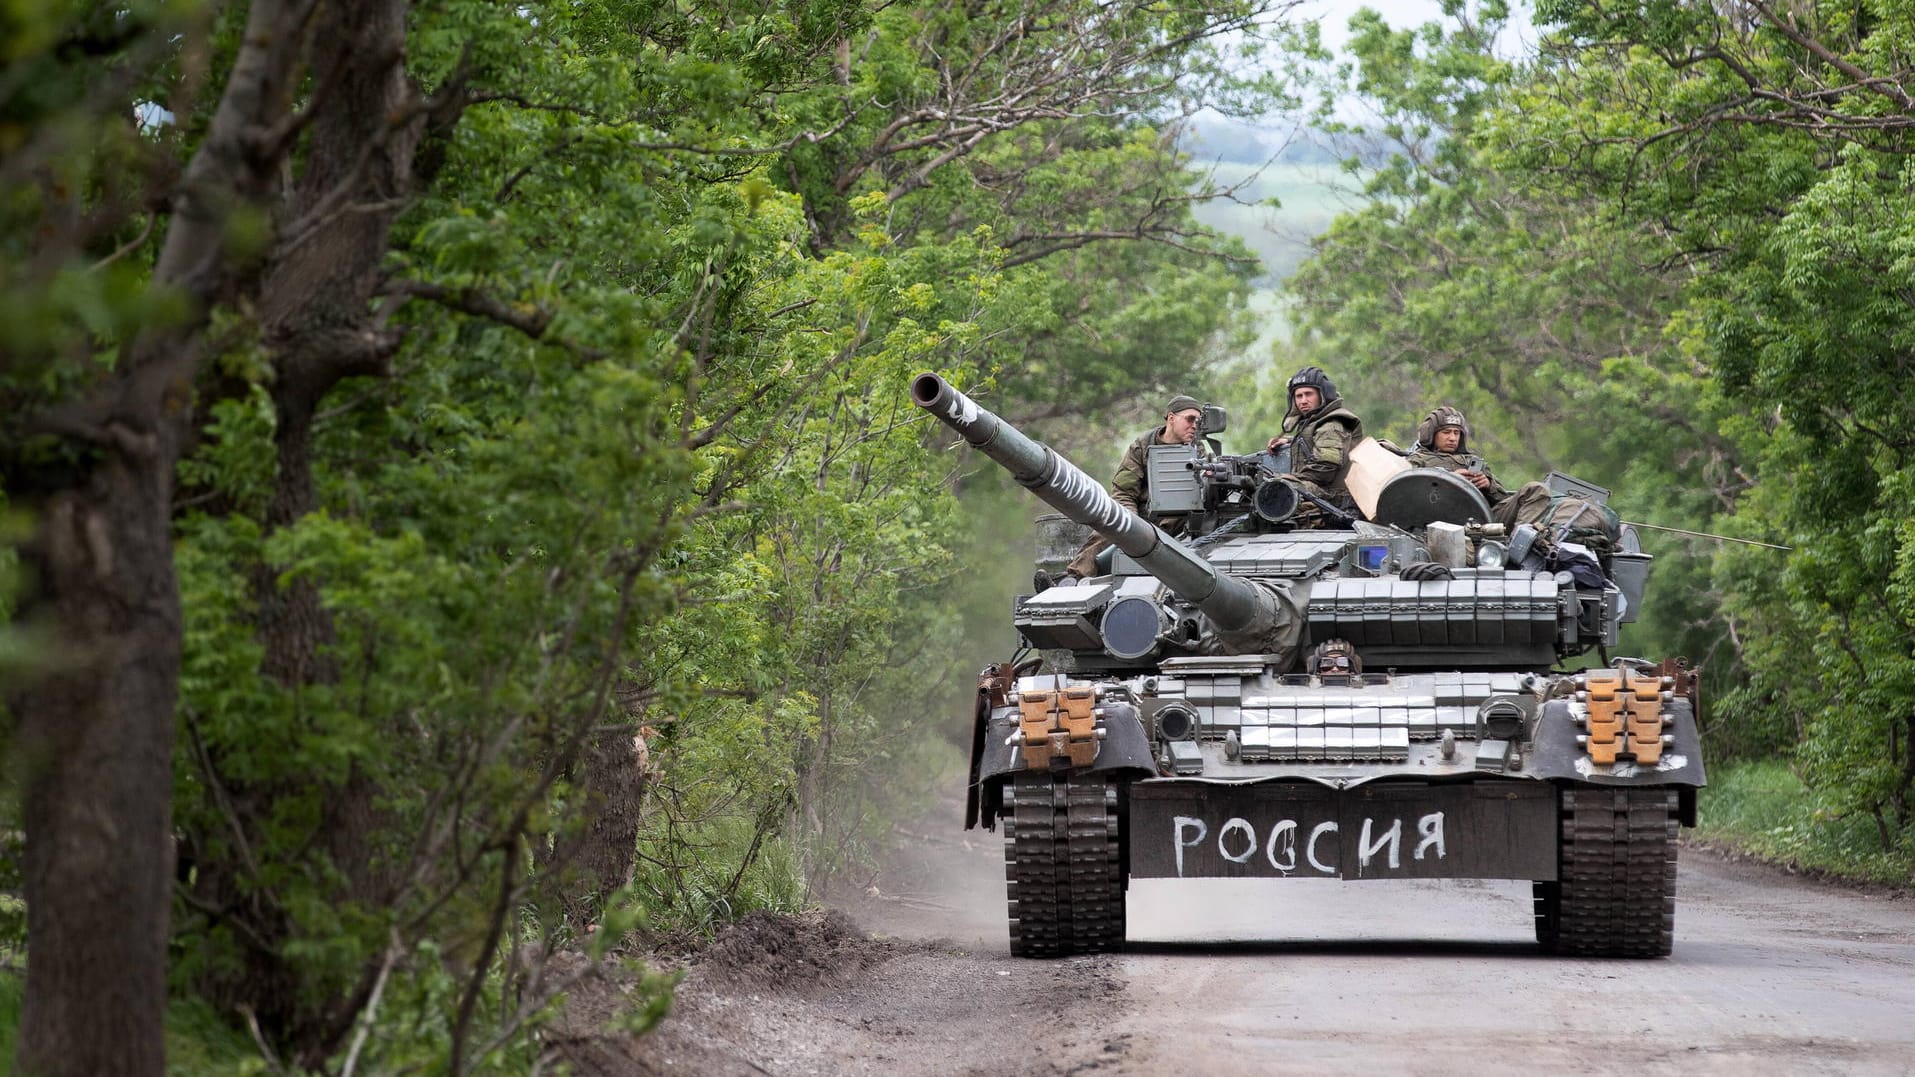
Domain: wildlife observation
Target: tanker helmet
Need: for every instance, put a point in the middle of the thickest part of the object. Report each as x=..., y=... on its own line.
x=1315, y=378
x=1436, y=420
x=1334, y=657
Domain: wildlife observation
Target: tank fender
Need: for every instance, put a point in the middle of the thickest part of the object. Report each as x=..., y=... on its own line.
x=1124, y=751
x=1556, y=753
x=993, y=683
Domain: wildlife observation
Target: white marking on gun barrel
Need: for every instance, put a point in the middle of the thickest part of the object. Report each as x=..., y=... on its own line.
x=1072, y=483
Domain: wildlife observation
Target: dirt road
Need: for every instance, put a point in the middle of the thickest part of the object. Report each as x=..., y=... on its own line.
x=1771, y=974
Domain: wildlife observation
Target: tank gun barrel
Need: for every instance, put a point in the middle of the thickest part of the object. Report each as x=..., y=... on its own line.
x=1229, y=603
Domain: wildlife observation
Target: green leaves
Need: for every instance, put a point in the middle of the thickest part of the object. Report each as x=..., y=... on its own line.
x=637, y=472
x=1669, y=253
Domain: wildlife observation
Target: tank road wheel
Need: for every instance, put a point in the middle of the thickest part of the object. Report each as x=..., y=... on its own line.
x=1063, y=864
x=1615, y=894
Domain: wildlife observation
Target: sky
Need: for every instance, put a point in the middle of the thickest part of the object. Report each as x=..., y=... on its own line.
x=1333, y=26
x=1334, y=19
x=1334, y=15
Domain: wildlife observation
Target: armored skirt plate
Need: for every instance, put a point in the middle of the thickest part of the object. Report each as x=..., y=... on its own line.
x=1486, y=829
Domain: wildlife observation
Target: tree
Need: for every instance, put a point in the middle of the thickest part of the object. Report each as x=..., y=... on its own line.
x=1052, y=125
x=439, y=355
x=1705, y=219
x=1472, y=275
x=318, y=93
x=1770, y=146
x=96, y=464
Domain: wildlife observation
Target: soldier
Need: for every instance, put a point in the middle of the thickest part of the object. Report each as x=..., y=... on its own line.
x=1335, y=660
x=1442, y=441
x=1131, y=487
x=1319, y=432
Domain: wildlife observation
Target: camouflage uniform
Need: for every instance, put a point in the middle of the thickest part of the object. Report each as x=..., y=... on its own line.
x=1320, y=442
x=1526, y=505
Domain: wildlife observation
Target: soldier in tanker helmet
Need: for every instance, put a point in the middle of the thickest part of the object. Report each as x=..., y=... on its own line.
x=1319, y=432
x=1183, y=419
x=1442, y=441
x=1335, y=660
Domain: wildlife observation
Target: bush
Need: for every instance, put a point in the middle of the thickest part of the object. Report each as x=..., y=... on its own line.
x=1763, y=809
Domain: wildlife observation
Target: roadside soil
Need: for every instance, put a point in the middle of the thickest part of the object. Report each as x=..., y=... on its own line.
x=910, y=976
x=913, y=977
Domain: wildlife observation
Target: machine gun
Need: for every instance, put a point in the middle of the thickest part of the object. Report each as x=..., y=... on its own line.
x=1215, y=492
x=1233, y=605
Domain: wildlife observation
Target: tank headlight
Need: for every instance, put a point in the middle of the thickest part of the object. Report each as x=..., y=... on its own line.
x=1177, y=721
x=1500, y=718
x=1132, y=626
x=1491, y=555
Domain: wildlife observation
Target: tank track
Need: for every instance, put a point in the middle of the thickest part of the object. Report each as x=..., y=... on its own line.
x=1063, y=867
x=1615, y=891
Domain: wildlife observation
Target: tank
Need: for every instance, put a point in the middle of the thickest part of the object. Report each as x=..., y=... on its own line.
x=1286, y=690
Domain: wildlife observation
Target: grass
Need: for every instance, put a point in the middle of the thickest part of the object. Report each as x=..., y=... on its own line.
x=197, y=1042
x=1763, y=809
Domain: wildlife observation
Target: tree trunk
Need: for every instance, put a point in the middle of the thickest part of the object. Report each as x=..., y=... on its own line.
x=316, y=317
x=97, y=732
x=1902, y=749
x=315, y=303
x=583, y=866
x=98, y=740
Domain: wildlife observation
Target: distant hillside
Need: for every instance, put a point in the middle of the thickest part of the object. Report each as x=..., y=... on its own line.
x=1210, y=137
x=1307, y=173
